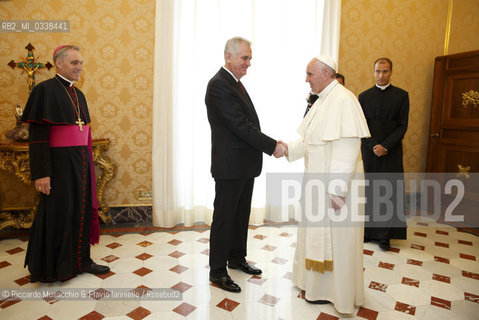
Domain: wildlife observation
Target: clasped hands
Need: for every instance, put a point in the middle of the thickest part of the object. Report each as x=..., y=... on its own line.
x=281, y=149
x=379, y=150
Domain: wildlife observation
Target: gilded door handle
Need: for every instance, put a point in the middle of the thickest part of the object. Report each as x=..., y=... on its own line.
x=463, y=171
x=435, y=135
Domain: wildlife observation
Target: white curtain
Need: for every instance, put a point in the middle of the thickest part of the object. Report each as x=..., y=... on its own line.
x=189, y=44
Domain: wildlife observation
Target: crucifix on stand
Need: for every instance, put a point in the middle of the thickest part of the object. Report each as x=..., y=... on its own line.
x=30, y=66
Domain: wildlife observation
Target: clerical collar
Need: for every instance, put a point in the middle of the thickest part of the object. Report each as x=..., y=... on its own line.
x=383, y=87
x=230, y=73
x=70, y=82
x=322, y=95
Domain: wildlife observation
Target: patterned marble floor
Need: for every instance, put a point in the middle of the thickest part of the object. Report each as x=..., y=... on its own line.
x=434, y=274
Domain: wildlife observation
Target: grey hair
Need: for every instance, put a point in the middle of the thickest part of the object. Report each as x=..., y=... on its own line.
x=62, y=52
x=232, y=45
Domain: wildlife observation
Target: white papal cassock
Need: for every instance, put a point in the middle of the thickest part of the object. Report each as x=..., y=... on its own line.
x=328, y=263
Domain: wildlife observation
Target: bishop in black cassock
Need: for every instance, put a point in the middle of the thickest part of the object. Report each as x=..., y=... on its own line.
x=66, y=221
x=386, y=109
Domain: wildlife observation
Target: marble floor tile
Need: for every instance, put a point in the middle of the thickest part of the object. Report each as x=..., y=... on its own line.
x=432, y=275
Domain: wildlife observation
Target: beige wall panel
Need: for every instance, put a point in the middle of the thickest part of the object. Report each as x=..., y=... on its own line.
x=464, y=26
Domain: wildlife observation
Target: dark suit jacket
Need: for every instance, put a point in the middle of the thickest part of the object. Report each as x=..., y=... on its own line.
x=237, y=143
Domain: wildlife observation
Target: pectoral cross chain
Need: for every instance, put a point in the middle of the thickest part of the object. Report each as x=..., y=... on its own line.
x=80, y=123
x=75, y=103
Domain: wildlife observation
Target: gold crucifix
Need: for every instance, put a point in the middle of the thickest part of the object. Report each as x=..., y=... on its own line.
x=30, y=66
x=80, y=123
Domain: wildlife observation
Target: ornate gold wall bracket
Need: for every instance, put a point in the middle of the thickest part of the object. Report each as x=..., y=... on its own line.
x=109, y=172
x=18, y=220
x=16, y=161
x=470, y=97
x=463, y=171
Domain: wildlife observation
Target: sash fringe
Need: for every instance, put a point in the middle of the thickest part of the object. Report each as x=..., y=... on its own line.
x=319, y=266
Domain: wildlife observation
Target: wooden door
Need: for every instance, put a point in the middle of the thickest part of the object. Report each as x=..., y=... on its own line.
x=454, y=130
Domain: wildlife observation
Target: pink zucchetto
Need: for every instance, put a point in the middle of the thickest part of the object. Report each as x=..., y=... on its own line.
x=58, y=48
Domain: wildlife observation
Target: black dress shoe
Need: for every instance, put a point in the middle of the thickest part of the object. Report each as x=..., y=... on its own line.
x=317, y=301
x=384, y=244
x=225, y=283
x=97, y=269
x=246, y=268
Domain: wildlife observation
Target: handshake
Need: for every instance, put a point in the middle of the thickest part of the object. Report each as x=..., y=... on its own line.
x=281, y=149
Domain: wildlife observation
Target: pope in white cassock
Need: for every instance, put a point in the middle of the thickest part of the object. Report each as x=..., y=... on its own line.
x=328, y=263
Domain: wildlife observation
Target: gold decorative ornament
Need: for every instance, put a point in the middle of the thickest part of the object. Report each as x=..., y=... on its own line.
x=109, y=170
x=15, y=159
x=18, y=219
x=463, y=171
x=470, y=97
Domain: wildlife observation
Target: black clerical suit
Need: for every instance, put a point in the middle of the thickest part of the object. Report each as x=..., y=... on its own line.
x=386, y=112
x=237, y=145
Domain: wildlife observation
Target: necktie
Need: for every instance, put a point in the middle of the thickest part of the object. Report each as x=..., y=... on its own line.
x=312, y=99
x=242, y=88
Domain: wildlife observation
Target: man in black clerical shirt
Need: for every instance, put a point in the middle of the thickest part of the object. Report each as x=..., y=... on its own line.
x=66, y=220
x=386, y=109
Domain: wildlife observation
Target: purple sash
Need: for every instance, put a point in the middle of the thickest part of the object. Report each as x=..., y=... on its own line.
x=71, y=136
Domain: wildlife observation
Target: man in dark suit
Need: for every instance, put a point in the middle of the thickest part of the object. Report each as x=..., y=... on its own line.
x=237, y=144
x=386, y=109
